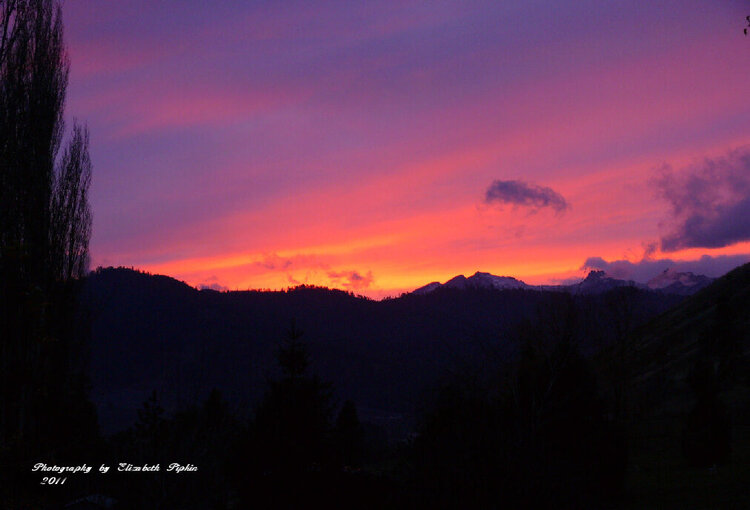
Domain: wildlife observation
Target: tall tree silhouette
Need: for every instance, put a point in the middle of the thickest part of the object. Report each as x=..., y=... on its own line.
x=290, y=438
x=293, y=422
x=70, y=214
x=45, y=225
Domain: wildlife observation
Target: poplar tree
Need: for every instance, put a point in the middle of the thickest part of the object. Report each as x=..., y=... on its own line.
x=45, y=226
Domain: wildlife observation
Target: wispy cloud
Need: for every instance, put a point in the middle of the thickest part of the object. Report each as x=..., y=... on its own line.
x=351, y=279
x=275, y=262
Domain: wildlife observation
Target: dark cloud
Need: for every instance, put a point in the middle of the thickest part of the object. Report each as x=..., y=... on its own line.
x=522, y=194
x=710, y=202
x=351, y=279
x=212, y=286
x=646, y=269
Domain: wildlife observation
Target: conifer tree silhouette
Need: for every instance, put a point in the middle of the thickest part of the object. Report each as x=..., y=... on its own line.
x=293, y=422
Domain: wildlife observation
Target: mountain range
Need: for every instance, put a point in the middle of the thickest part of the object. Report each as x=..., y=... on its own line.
x=152, y=332
x=669, y=281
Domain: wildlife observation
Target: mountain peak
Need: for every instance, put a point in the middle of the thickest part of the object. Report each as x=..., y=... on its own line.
x=596, y=274
x=676, y=282
x=479, y=280
x=480, y=274
x=597, y=281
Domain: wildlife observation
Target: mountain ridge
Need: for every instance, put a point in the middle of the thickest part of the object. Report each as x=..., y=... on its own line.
x=669, y=281
x=155, y=332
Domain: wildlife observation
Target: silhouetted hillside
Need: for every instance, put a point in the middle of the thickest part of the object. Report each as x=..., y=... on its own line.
x=665, y=348
x=688, y=398
x=153, y=332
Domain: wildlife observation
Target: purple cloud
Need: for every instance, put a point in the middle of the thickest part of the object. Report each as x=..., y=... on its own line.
x=213, y=286
x=521, y=194
x=710, y=202
x=646, y=269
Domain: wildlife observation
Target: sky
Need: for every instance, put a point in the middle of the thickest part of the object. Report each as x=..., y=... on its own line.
x=379, y=146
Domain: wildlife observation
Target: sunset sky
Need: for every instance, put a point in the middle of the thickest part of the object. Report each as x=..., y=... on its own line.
x=379, y=146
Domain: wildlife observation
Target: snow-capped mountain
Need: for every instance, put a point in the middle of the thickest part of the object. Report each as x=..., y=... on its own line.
x=427, y=288
x=596, y=282
x=476, y=281
x=674, y=282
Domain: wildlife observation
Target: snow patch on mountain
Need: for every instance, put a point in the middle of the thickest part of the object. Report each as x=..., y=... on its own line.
x=596, y=282
x=477, y=281
x=675, y=282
